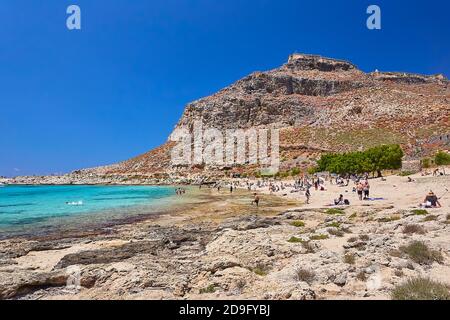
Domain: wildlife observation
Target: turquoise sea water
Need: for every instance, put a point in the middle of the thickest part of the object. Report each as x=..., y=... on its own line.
x=35, y=209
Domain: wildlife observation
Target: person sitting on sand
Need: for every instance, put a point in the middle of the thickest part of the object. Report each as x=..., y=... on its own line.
x=341, y=201
x=431, y=201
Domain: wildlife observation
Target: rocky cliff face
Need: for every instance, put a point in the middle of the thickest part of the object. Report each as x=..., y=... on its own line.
x=321, y=104
x=311, y=90
x=280, y=97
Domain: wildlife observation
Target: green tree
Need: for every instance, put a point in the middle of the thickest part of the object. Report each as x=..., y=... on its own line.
x=385, y=157
x=372, y=160
x=442, y=158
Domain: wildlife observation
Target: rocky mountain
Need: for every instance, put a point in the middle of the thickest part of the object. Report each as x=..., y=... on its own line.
x=321, y=104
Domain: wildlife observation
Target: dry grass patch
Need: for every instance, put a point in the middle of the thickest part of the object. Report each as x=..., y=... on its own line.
x=298, y=223
x=399, y=273
x=295, y=240
x=334, y=224
x=305, y=275
x=353, y=216
x=420, y=253
x=308, y=246
x=335, y=232
x=361, y=276
x=319, y=237
x=346, y=229
x=390, y=219
x=209, y=289
x=421, y=289
x=349, y=258
x=261, y=270
x=364, y=237
x=335, y=211
x=430, y=217
x=414, y=228
x=419, y=212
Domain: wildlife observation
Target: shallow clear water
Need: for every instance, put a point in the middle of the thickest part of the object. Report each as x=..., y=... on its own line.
x=29, y=209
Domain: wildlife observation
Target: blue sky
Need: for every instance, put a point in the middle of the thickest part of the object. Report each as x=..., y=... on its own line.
x=115, y=89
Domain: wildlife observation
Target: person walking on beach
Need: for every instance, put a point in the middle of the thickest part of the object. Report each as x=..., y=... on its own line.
x=359, y=190
x=256, y=200
x=366, y=190
x=307, y=195
x=231, y=189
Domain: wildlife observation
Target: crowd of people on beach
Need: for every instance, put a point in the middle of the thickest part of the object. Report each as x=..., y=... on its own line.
x=304, y=185
x=359, y=185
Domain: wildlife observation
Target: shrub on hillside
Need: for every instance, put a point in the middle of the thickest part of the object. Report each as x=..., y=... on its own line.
x=420, y=253
x=298, y=223
x=413, y=228
x=442, y=158
x=420, y=289
x=305, y=275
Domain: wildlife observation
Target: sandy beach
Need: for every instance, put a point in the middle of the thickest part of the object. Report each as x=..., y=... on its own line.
x=393, y=191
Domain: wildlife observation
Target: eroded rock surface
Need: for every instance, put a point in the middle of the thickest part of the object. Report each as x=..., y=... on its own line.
x=240, y=258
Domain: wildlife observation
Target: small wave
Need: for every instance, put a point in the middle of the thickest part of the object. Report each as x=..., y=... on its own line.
x=13, y=212
x=75, y=203
x=16, y=205
x=27, y=221
x=121, y=198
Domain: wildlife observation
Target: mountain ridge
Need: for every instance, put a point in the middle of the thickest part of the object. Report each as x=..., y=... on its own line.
x=331, y=95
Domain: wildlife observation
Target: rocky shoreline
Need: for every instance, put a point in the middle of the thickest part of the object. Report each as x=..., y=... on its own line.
x=223, y=248
x=99, y=179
